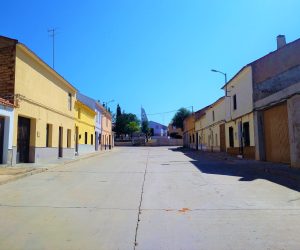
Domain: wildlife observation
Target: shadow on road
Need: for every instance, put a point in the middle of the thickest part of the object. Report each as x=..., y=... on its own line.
x=247, y=170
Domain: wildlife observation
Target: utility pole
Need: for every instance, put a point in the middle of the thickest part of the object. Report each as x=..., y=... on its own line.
x=52, y=34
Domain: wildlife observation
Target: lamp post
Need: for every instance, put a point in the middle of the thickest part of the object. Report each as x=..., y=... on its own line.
x=106, y=103
x=225, y=75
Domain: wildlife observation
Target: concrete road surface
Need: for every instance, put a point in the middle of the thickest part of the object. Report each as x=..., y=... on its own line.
x=150, y=198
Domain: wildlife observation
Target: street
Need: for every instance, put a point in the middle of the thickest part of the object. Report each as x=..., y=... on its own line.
x=150, y=198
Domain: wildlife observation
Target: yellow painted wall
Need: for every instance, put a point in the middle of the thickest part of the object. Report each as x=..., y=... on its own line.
x=246, y=118
x=85, y=121
x=106, y=129
x=44, y=99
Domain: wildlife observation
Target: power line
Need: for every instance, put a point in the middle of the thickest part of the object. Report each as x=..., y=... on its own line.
x=167, y=112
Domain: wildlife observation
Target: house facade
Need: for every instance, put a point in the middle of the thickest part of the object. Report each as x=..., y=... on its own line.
x=189, y=136
x=43, y=128
x=84, y=128
x=6, y=131
x=107, y=141
x=276, y=96
x=210, y=127
x=239, y=127
x=97, y=107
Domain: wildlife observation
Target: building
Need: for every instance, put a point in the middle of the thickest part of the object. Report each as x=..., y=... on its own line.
x=200, y=124
x=276, y=96
x=44, y=105
x=84, y=127
x=239, y=127
x=6, y=131
x=158, y=129
x=189, y=136
x=210, y=127
x=107, y=141
x=175, y=132
x=97, y=107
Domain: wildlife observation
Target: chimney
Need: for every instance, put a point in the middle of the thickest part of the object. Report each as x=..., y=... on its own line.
x=281, y=41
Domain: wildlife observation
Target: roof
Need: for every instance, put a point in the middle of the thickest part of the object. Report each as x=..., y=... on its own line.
x=6, y=41
x=6, y=103
x=257, y=60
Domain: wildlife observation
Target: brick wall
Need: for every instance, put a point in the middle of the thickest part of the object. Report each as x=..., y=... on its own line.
x=276, y=71
x=7, y=71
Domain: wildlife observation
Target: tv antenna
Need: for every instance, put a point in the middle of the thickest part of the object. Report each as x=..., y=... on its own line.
x=52, y=33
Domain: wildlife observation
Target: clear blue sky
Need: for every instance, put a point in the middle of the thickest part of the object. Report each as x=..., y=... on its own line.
x=154, y=53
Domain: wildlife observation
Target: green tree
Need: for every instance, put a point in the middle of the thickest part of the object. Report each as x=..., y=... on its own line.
x=145, y=129
x=132, y=127
x=179, y=117
x=119, y=123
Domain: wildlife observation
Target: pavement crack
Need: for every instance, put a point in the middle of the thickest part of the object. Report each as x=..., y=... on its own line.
x=140, y=204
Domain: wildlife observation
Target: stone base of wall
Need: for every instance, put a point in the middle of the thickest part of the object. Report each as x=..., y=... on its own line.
x=42, y=155
x=248, y=152
x=85, y=149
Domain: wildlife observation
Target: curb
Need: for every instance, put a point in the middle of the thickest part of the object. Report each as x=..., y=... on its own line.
x=33, y=172
x=44, y=169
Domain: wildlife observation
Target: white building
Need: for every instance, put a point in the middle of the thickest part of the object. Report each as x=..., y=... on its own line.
x=6, y=131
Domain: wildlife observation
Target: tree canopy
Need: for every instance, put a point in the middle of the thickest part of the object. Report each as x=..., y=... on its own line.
x=179, y=117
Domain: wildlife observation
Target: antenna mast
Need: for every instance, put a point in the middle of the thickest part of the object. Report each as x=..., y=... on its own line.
x=52, y=34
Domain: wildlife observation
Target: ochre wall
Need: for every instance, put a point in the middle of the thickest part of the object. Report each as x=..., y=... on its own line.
x=44, y=99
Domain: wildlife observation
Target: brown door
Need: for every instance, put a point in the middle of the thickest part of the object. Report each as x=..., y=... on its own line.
x=23, y=139
x=60, y=142
x=76, y=139
x=222, y=138
x=276, y=134
x=2, y=122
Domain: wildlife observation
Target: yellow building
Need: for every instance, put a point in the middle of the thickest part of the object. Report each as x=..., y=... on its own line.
x=107, y=138
x=44, y=113
x=84, y=128
x=189, y=137
x=210, y=127
x=239, y=114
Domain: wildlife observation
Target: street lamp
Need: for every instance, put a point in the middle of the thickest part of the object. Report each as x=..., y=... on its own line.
x=106, y=103
x=225, y=75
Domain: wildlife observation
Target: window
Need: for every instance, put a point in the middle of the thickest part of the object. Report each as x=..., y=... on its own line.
x=246, y=134
x=68, y=138
x=48, y=135
x=193, y=138
x=85, y=137
x=234, y=102
x=216, y=141
x=231, y=139
x=190, y=139
x=70, y=101
x=79, y=114
x=213, y=115
x=92, y=140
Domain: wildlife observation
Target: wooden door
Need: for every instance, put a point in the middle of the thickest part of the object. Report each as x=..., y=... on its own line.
x=76, y=139
x=276, y=134
x=60, y=142
x=222, y=138
x=23, y=139
x=2, y=122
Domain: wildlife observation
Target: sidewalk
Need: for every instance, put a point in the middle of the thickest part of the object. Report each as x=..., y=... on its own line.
x=274, y=169
x=11, y=173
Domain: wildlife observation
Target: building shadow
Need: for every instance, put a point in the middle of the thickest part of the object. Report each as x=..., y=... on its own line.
x=247, y=170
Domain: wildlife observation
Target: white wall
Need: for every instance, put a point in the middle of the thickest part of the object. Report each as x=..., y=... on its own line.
x=8, y=113
x=241, y=86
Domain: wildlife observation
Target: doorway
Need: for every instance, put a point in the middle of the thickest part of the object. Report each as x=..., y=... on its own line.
x=76, y=140
x=23, y=140
x=60, y=142
x=2, y=122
